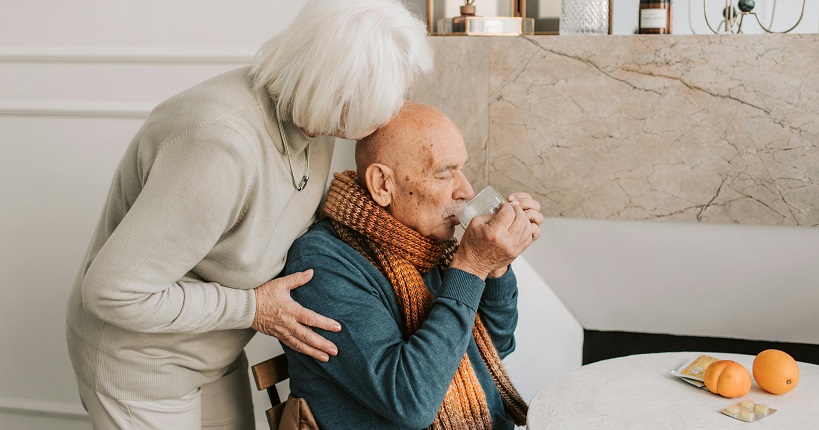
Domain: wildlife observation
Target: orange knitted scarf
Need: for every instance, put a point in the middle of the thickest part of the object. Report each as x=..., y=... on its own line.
x=402, y=255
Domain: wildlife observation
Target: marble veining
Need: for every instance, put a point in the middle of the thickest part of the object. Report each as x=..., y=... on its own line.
x=459, y=86
x=718, y=129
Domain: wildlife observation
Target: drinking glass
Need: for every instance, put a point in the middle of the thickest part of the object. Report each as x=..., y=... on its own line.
x=487, y=202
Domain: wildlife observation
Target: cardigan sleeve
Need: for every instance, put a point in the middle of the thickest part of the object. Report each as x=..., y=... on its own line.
x=192, y=193
x=403, y=379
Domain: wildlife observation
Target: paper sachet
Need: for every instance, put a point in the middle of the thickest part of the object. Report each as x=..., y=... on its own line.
x=693, y=371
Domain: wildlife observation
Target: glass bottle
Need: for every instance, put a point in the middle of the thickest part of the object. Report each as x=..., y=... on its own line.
x=655, y=17
x=459, y=22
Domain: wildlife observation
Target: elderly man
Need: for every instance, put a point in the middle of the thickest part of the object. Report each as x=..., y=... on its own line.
x=425, y=322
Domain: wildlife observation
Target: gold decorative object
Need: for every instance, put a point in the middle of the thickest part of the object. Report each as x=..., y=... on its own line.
x=732, y=19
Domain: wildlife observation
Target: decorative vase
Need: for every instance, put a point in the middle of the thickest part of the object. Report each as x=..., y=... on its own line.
x=584, y=17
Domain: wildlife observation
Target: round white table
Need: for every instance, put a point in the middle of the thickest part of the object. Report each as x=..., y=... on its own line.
x=639, y=392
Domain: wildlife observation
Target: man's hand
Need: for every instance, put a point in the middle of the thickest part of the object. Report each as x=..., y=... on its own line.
x=278, y=315
x=491, y=243
x=529, y=205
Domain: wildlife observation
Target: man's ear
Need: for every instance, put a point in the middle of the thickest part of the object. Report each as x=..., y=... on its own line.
x=379, y=183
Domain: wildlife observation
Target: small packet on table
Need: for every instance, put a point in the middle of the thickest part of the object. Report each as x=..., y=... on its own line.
x=693, y=371
x=748, y=411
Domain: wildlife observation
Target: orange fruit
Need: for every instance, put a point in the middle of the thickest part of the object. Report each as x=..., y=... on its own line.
x=775, y=371
x=727, y=378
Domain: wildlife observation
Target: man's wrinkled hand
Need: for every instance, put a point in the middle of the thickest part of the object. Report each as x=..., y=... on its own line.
x=529, y=205
x=490, y=243
x=278, y=315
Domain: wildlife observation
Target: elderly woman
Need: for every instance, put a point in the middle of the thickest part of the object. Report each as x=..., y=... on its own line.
x=207, y=199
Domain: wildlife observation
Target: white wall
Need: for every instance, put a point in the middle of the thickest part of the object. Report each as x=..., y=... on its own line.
x=76, y=81
x=718, y=280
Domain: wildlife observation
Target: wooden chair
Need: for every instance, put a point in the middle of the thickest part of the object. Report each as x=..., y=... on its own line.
x=267, y=374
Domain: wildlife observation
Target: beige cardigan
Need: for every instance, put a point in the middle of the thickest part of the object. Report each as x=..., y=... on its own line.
x=201, y=211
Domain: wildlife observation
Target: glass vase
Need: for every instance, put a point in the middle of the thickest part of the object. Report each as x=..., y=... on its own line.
x=584, y=17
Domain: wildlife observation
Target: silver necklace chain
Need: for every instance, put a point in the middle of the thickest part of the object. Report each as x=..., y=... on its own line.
x=303, y=183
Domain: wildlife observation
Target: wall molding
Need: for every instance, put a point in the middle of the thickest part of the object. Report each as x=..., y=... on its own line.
x=42, y=408
x=128, y=55
x=52, y=108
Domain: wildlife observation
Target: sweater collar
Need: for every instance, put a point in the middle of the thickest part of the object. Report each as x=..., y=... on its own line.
x=296, y=139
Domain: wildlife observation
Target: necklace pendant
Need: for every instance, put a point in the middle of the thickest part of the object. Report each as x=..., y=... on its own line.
x=302, y=183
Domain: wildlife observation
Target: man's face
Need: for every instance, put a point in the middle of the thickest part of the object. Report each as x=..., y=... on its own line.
x=430, y=184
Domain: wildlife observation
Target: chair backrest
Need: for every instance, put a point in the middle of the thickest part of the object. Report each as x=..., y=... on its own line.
x=267, y=374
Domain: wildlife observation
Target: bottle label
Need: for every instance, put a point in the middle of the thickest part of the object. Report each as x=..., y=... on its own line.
x=653, y=18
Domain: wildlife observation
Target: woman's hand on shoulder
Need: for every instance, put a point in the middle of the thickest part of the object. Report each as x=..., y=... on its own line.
x=278, y=315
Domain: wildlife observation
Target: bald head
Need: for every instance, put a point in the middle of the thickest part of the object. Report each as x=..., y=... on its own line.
x=406, y=137
x=413, y=167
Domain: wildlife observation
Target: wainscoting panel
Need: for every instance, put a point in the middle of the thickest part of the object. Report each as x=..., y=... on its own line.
x=66, y=117
x=108, y=75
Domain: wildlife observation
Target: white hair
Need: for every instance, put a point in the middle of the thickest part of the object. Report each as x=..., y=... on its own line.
x=344, y=67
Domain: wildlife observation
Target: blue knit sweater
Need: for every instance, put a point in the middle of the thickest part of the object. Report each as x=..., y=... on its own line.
x=379, y=379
